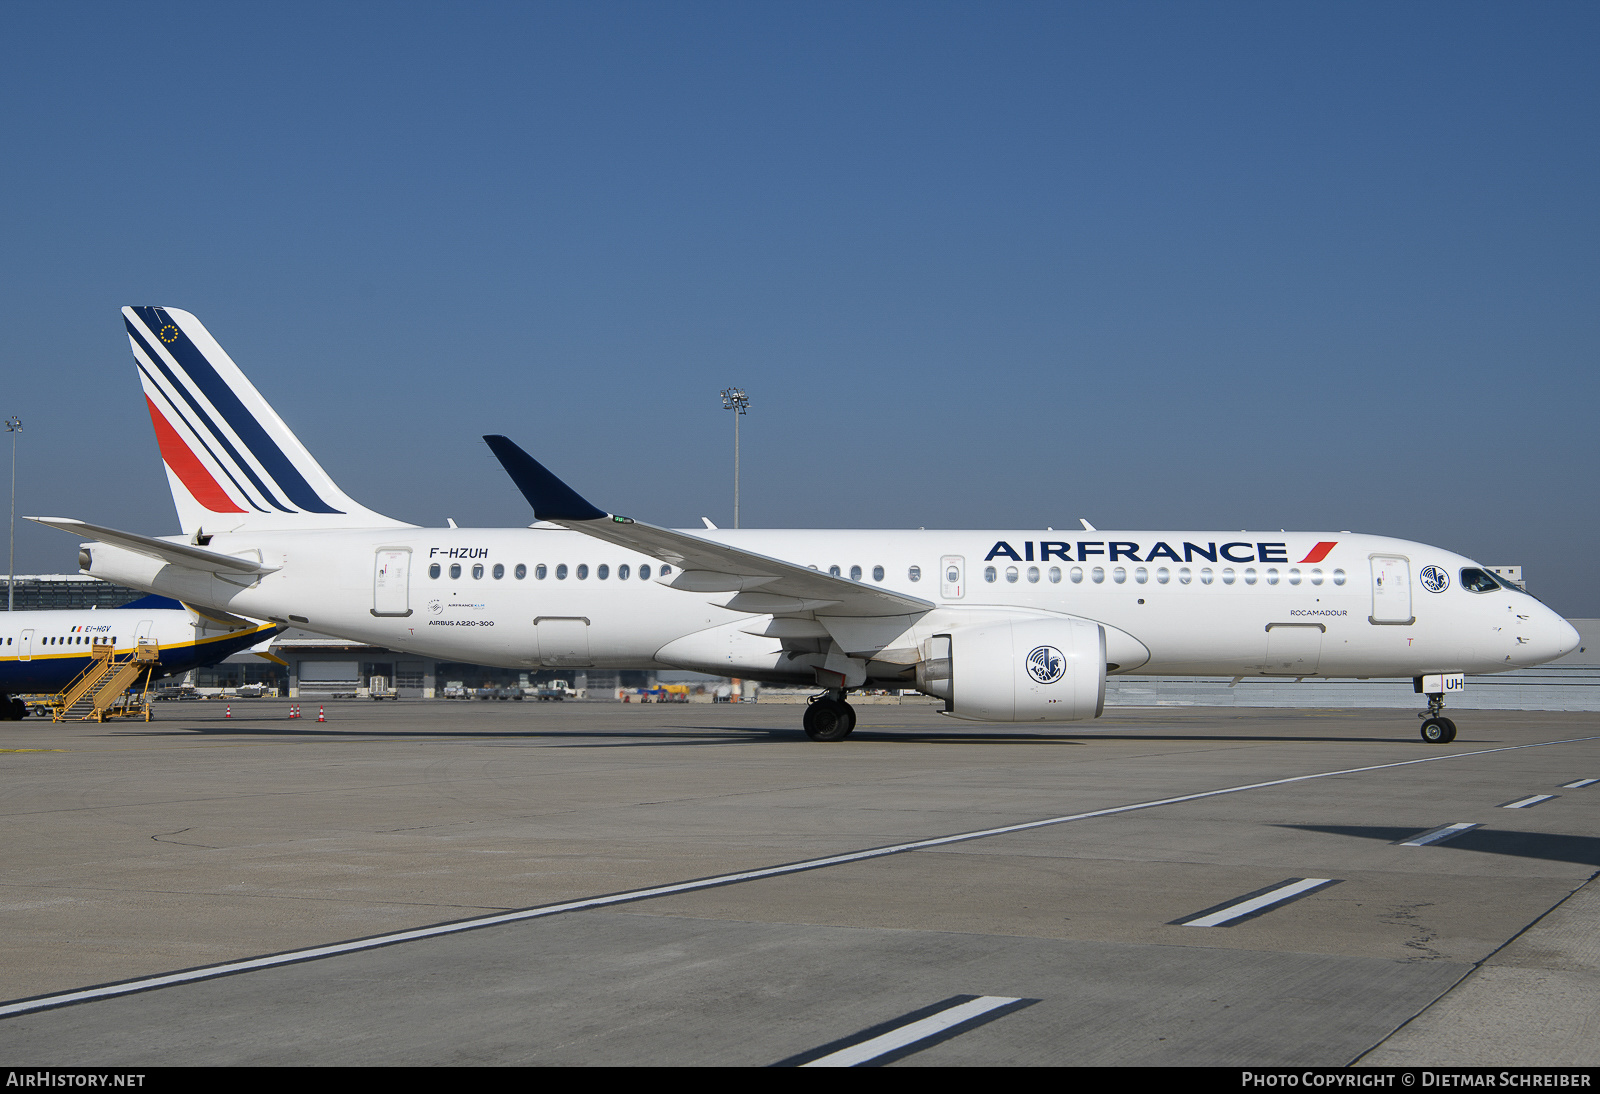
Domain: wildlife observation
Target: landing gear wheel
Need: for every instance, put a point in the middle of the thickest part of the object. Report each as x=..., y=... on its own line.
x=1438, y=731
x=829, y=720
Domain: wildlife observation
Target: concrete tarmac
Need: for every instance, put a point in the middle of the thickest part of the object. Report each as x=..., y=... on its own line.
x=135, y=850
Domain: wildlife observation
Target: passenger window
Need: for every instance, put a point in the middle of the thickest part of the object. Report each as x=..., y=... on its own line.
x=1272, y=575
x=990, y=574
x=622, y=572
x=1077, y=575
x=433, y=571
x=1033, y=575
x=1316, y=577
x=644, y=572
x=583, y=571
x=521, y=570
x=1141, y=575
x=1227, y=575
x=915, y=573
x=1119, y=575
x=602, y=571
x=561, y=571
x=1055, y=575
x=833, y=570
x=1183, y=575
x=1163, y=575
x=855, y=573
x=539, y=571
x=1205, y=575
x=477, y=571
x=1098, y=575
x=1294, y=577
x=499, y=571
x=877, y=573
x=665, y=570
x=1011, y=574
x=1338, y=577
x=1249, y=575
x=455, y=570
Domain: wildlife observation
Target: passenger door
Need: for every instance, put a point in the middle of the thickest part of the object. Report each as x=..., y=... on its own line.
x=1391, y=590
x=391, y=582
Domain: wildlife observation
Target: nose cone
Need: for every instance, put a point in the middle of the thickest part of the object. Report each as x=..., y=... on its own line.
x=1566, y=637
x=1549, y=638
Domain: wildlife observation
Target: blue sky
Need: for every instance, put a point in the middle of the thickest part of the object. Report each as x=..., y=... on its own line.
x=977, y=265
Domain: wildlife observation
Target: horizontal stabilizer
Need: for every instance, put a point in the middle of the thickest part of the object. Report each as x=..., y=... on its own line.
x=178, y=554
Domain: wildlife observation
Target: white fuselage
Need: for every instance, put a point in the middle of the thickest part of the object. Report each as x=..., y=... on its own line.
x=1181, y=603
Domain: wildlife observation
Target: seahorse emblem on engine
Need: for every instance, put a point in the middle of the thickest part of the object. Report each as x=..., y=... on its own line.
x=1046, y=664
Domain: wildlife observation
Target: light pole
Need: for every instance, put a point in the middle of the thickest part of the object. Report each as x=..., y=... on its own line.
x=13, y=427
x=734, y=399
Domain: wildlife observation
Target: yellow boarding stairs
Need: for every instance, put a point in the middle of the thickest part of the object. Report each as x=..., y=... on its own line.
x=102, y=690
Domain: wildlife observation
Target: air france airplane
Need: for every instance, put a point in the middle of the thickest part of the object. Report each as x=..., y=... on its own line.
x=42, y=652
x=1004, y=626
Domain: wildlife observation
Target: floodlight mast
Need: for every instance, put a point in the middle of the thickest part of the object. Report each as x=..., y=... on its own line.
x=734, y=399
x=13, y=427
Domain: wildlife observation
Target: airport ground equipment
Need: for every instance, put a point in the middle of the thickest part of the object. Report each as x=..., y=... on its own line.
x=110, y=687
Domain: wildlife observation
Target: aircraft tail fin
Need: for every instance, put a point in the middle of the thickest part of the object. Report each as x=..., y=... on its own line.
x=232, y=463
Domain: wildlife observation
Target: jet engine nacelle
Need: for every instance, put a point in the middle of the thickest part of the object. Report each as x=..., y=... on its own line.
x=1024, y=670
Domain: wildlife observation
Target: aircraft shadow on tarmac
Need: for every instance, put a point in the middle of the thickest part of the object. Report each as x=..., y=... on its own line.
x=695, y=735
x=1583, y=850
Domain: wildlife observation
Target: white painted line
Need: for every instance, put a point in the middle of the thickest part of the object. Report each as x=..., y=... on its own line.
x=1524, y=803
x=925, y=1029
x=1252, y=904
x=1580, y=784
x=1438, y=835
x=294, y=957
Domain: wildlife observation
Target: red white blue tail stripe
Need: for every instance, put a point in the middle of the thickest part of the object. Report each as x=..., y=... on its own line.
x=231, y=461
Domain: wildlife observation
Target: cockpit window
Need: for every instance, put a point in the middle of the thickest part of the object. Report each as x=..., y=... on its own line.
x=1475, y=580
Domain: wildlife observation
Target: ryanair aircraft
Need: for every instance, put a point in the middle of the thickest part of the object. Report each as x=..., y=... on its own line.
x=42, y=652
x=1003, y=626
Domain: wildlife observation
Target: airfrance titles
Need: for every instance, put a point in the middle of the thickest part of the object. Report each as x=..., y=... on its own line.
x=1119, y=550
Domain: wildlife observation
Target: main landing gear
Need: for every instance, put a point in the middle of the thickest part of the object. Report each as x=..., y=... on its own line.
x=1436, y=728
x=829, y=717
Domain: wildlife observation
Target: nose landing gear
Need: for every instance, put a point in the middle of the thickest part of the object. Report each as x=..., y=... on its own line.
x=1436, y=728
x=829, y=717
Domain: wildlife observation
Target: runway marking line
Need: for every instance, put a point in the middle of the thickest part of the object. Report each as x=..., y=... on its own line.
x=1257, y=903
x=1580, y=784
x=1529, y=802
x=1437, y=835
x=631, y=896
x=910, y=1033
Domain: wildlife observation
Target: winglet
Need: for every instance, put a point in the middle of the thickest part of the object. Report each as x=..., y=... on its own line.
x=551, y=498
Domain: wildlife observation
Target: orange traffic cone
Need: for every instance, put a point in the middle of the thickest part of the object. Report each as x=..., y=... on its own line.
x=321, y=717
x=227, y=711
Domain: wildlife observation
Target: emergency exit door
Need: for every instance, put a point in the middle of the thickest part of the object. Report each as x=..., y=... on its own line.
x=952, y=577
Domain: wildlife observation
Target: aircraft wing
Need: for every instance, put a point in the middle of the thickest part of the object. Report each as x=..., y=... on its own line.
x=178, y=554
x=763, y=585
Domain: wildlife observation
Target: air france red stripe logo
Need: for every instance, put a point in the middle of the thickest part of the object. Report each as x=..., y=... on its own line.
x=187, y=466
x=1319, y=552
